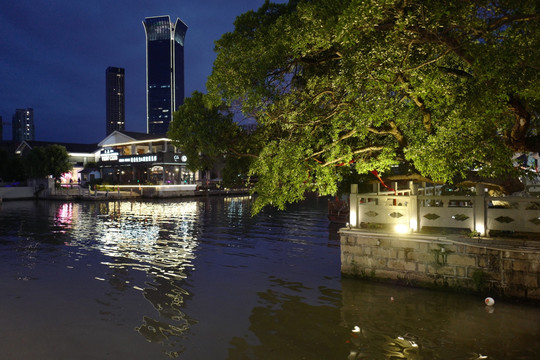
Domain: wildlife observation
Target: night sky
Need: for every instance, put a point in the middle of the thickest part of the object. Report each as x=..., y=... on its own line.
x=53, y=56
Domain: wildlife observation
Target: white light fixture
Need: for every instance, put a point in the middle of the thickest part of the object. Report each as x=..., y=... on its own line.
x=401, y=228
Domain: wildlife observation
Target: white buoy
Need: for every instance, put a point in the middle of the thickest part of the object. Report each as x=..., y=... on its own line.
x=489, y=301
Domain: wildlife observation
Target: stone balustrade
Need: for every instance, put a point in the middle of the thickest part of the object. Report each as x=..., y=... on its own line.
x=386, y=239
x=411, y=212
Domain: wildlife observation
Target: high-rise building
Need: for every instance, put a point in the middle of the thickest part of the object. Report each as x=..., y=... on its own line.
x=164, y=71
x=115, y=99
x=23, y=125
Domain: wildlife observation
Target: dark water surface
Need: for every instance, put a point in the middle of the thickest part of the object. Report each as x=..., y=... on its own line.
x=201, y=279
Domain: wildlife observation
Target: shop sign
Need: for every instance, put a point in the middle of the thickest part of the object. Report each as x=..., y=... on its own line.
x=175, y=158
x=137, y=159
x=109, y=155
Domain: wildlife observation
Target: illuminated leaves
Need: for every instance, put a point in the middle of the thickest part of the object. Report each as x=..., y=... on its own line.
x=337, y=85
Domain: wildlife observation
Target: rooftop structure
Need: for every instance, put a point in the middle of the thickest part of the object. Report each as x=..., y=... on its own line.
x=164, y=71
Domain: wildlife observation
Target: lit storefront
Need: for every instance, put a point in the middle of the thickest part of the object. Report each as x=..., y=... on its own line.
x=139, y=159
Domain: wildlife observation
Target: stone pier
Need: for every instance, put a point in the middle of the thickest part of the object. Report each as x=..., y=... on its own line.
x=504, y=268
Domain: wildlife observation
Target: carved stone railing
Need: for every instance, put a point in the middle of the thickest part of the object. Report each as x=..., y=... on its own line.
x=409, y=212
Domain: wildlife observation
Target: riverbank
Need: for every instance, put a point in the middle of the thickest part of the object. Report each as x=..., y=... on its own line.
x=127, y=195
x=502, y=267
x=117, y=193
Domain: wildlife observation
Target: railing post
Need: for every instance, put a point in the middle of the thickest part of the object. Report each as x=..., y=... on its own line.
x=413, y=206
x=353, y=206
x=480, y=210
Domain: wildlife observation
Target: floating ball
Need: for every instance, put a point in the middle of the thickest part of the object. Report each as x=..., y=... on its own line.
x=489, y=301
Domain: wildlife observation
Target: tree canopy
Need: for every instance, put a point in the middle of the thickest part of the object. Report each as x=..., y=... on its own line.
x=50, y=160
x=208, y=134
x=341, y=85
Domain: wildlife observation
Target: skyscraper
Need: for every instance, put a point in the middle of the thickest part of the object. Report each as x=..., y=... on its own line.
x=23, y=125
x=164, y=71
x=115, y=99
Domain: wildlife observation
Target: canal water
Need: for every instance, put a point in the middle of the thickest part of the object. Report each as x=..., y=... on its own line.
x=202, y=279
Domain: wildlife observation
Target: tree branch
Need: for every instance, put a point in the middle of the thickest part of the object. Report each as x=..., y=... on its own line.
x=504, y=20
x=522, y=122
x=346, y=136
x=420, y=103
x=394, y=131
x=428, y=62
x=239, y=154
x=356, y=152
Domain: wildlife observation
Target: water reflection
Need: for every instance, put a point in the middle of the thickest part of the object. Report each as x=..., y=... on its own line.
x=156, y=239
x=425, y=325
x=203, y=279
x=289, y=326
x=64, y=217
x=171, y=322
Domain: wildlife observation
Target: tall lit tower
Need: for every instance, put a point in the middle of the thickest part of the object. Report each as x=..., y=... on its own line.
x=115, y=99
x=164, y=71
x=23, y=125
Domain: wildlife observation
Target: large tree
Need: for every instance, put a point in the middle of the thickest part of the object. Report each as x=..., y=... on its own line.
x=50, y=160
x=208, y=135
x=445, y=87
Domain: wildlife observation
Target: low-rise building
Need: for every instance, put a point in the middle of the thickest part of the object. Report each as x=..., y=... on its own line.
x=143, y=159
x=124, y=158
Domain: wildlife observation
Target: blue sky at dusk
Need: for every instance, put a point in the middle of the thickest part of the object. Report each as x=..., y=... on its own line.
x=53, y=56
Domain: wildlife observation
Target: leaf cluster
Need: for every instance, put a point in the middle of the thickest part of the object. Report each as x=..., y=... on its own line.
x=209, y=134
x=335, y=85
x=50, y=160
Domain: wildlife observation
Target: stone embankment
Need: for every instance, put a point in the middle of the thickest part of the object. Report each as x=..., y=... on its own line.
x=79, y=193
x=490, y=266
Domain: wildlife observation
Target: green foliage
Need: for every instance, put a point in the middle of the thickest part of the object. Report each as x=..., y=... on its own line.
x=235, y=171
x=11, y=167
x=50, y=160
x=205, y=133
x=444, y=87
x=35, y=163
x=57, y=160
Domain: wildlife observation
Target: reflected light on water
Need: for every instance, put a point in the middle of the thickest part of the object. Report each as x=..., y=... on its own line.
x=63, y=218
x=156, y=239
x=122, y=275
x=402, y=348
x=236, y=205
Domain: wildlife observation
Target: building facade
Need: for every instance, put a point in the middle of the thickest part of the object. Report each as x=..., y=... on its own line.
x=79, y=156
x=131, y=158
x=23, y=125
x=124, y=158
x=115, y=99
x=164, y=71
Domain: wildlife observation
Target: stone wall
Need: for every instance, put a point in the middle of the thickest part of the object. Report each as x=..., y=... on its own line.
x=17, y=193
x=508, y=268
